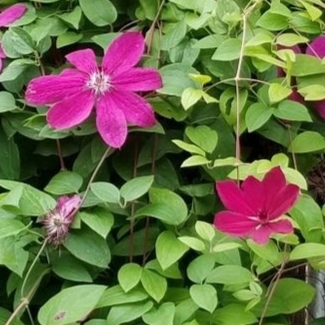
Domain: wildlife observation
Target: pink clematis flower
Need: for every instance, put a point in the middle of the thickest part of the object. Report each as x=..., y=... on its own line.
x=256, y=207
x=110, y=88
x=7, y=17
x=58, y=221
x=317, y=48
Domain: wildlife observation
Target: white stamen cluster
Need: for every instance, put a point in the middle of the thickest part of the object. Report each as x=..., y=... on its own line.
x=56, y=226
x=99, y=82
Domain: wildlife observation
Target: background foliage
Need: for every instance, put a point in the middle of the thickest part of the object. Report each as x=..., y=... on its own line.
x=143, y=249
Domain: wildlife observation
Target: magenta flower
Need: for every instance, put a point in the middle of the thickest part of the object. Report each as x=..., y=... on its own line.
x=317, y=48
x=58, y=221
x=7, y=17
x=110, y=88
x=256, y=207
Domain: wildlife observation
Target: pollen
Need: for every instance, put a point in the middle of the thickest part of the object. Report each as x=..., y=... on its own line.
x=99, y=82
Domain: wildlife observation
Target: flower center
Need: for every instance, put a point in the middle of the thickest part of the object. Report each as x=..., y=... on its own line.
x=99, y=82
x=263, y=217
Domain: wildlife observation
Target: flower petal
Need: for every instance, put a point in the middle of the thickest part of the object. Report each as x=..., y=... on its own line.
x=123, y=53
x=320, y=108
x=51, y=89
x=283, y=201
x=110, y=121
x=139, y=79
x=261, y=235
x=71, y=111
x=234, y=224
x=2, y=54
x=83, y=60
x=136, y=110
x=234, y=198
x=11, y=14
x=67, y=204
x=283, y=226
x=254, y=191
x=317, y=47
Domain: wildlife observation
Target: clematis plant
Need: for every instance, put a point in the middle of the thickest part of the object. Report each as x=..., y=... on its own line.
x=58, y=221
x=256, y=208
x=7, y=17
x=109, y=87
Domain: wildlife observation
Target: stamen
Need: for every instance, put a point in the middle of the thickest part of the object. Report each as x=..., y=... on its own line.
x=99, y=82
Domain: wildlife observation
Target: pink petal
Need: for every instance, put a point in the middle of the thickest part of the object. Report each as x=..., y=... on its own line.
x=254, y=191
x=283, y=201
x=11, y=14
x=136, y=110
x=261, y=235
x=234, y=198
x=234, y=224
x=110, y=121
x=317, y=47
x=123, y=53
x=282, y=226
x=71, y=111
x=320, y=108
x=83, y=60
x=67, y=204
x=139, y=79
x=50, y=89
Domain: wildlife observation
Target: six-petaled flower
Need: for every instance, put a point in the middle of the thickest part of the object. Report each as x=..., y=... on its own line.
x=256, y=208
x=110, y=88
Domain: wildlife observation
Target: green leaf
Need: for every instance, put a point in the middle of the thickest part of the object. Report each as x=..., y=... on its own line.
x=190, y=96
x=87, y=246
x=230, y=274
x=72, y=18
x=165, y=206
x=203, y=137
x=174, y=36
x=195, y=161
x=307, y=250
x=272, y=21
x=10, y=157
x=136, y=187
x=234, y=314
x=306, y=65
x=164, y=315
x=27, y=199
x=7, y=102
x=205, y=230
x=10, y=227
x=257, y=115
x=290, y=39
x=65, y=182
x=278, y=92
x=70, y=305
x=154, y=284
x=308, y=141
x=129, y=276
x=200, y=268
x=99, y=220
x=192, y=242
x=106, y=192
x=68, y=38
x=116, y=295
x=229, y=50
x=205, y=296
x=127, y=313
x=69, y=268
x=313, y=92
x=175, y=79
x=17, y=42
x=292, y=111
x=189, y=147
x=99, y=12
x=290, y=296
x=169, y=249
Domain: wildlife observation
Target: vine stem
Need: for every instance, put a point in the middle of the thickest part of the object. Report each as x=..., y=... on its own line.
x=24, y=302
x=93, y=176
